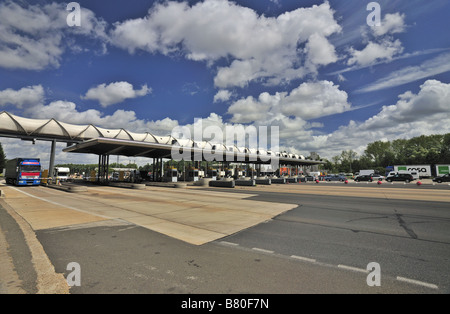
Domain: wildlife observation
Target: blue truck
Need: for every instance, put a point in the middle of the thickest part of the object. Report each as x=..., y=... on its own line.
x=23, y=171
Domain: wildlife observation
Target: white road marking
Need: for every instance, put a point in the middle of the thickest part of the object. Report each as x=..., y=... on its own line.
x=229, y=243
x=261, y=250
x=361, y=270
x=417, y=282
x=306, y=259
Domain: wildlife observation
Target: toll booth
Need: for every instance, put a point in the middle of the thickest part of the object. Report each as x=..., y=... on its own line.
x=171, y=175
x=193, y=175
x=212, y=174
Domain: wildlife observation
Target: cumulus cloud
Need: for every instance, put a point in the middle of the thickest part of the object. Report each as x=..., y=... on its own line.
x=375, y=52
x=412, y=115
x=31, y=36
x=320, y=51
x=66, y=111
x=391, y=24
x=256, y=46
x=26, y=96
x=309, y=100
x=382, y=46
x=115, y=93
x=222, y=95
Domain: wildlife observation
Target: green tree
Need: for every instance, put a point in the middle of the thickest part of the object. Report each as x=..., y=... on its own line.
x=2, y=158
x=379, y=153
x=347, y=160
x=444, y=154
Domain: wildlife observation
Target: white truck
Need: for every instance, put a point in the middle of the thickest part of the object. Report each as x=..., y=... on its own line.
x=418, y=171
x=62, y=173
x=442, y=170
x=366, y=172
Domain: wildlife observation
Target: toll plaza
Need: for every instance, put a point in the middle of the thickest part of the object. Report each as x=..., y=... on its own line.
x=90, y=139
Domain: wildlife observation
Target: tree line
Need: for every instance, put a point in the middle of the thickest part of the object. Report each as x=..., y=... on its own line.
x=420, y=150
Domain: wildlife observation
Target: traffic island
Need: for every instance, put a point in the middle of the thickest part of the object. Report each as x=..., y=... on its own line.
x=244, y=182
x=263, y=181
x=67, y=188
x=222, y=183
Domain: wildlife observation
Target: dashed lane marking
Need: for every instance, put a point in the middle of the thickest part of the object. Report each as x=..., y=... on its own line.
x=418, y=282
x=262, y=250
x=306, y=259
x=361, y=270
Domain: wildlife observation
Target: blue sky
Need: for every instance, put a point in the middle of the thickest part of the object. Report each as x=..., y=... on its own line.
x=314, y=68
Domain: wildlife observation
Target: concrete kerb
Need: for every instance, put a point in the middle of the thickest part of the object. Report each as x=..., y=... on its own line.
x=48, y=280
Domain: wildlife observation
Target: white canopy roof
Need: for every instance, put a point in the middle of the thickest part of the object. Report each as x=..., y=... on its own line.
x=15, y=126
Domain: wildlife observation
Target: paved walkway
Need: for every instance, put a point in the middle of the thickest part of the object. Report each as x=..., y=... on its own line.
x=193, y=215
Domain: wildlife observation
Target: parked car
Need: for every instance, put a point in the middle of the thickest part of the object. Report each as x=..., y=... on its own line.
x=335, y=177
x=407, y=177
x=444, y=178
x=378, y=177
x=364, y=178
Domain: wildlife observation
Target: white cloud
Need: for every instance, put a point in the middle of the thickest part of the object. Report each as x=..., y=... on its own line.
x=26, y=96
x=67, y=111
x=391, y=24
x=31, y=37
x=114, y=93
x=435, y=66
x=249, y=109
x=222, y=95
x=413, y=115
x=375, y=52
x=382, y=47
x=320, y=51
x=256, y=46
x=308, y=101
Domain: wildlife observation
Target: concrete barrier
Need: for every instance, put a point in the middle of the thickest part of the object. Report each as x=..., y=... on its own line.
x=202, y=182
x=2, y=194
x=263, y=181
x=244, y=182
x=292, y=180
x=222, y=183
x=279, y=180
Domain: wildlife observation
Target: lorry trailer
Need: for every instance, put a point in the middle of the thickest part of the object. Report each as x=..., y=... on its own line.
x=423, y=171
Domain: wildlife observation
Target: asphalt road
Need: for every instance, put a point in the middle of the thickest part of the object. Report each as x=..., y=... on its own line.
x=408, y=239
x=323, y=245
